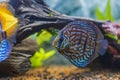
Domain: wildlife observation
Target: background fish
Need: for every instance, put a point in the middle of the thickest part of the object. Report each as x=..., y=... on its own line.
x=8, y=28
x=8, y=21
x=5, y=46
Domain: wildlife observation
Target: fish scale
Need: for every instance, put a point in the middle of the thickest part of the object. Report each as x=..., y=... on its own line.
x=82, y=37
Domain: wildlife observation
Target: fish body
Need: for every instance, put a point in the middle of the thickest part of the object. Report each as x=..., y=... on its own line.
x=7, y=19
x=8, y=26
x=5, y=46
x=80, y=42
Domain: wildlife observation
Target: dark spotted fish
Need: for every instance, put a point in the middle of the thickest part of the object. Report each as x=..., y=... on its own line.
x=5, y=46
x=80, y=42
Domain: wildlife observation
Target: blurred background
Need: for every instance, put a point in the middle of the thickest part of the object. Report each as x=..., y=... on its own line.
x=96, y=9
x=84, y=8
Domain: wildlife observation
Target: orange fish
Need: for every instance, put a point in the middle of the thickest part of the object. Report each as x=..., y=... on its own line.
x=8, y=26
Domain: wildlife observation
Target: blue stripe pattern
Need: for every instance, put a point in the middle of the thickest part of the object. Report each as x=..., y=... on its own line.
x=5, y=46
x=5, y=49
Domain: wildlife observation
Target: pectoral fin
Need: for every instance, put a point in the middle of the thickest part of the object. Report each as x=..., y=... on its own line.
x=102, y=46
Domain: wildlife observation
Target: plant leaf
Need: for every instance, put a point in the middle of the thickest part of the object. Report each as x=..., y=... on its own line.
x=99, y=14
x=42, y=51
x=36, y=60
x=108, y=13
x=40, y=56
x=49, y=54
x=44, y=36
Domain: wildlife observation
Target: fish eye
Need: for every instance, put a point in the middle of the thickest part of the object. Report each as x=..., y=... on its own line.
x=61, y=39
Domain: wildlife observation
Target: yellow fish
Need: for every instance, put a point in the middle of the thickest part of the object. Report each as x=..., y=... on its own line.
x=7, y=19
x=8, y=24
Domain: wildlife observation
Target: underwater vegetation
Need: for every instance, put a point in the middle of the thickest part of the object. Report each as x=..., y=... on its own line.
x=41, y=55
x=107, y=15
x=45, y=51
x=44, y=36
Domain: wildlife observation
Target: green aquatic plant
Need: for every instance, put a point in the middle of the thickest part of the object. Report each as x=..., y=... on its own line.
x=104, y=16
x=107, y=16
x=51, y=14
x=41, y=55
x=43, y=36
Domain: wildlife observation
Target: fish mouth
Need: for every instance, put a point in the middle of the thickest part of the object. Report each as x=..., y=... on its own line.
x=56, y=42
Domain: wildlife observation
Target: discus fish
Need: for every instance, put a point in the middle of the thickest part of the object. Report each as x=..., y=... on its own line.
x=5, y=46
x=80, y=42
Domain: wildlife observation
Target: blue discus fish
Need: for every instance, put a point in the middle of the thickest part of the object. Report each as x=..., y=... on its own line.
x=80, y=42
x=5, y=46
